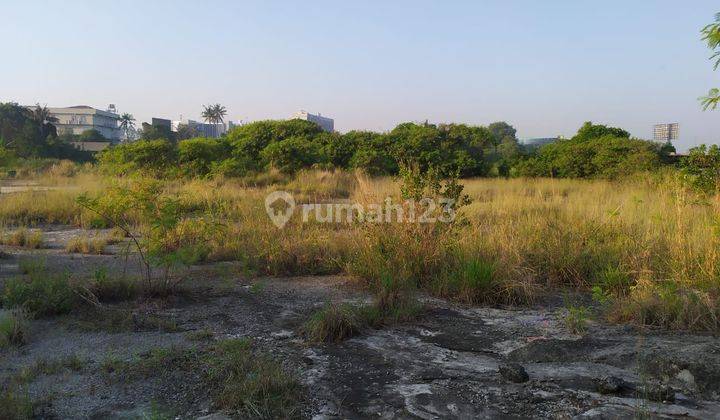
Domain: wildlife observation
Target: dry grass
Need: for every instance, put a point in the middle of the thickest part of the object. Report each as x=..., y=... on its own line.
x=84, y=244
x=26, y=238
x=647, y=249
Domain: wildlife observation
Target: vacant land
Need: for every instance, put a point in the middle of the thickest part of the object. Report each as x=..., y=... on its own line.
x=138, y=297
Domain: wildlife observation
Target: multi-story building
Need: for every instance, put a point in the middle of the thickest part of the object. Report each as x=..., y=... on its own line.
x=327, y=124
x=203, y=129
x=77, y=119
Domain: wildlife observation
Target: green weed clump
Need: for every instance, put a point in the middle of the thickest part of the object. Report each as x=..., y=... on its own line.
x=13, y=328
x=15, y=405
x=251, y=384
x=41, y=293
x=335, y=323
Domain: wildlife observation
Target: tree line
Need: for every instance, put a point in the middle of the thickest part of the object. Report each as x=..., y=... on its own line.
x=450, y=149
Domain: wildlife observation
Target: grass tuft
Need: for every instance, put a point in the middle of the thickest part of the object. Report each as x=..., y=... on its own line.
x=13, y=328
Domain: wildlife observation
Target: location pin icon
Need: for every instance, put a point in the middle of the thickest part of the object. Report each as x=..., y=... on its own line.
x=279, y=215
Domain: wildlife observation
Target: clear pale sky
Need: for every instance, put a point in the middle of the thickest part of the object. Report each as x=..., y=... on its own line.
x=543, y=66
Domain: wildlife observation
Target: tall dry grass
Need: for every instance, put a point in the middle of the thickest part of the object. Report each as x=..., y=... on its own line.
x=647, y=249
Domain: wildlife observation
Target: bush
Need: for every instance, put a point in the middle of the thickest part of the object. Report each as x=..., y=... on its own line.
x=150, y=156
x=198, y=156
x=42, y=293
x=334, y=323
x=701, y=169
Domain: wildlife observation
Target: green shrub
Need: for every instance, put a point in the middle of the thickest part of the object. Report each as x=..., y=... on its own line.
x=150, y=156
x=334, y=323
x=198, y=156
x=472, y=281
x=41, y=293
x=701, y=168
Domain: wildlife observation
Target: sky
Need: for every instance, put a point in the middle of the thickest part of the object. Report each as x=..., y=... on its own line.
x=543, y=66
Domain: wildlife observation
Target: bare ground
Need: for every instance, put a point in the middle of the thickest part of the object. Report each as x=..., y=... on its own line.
x=445, y=365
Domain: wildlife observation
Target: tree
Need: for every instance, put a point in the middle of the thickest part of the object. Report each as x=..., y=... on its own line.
x=214, y=114
x=156, y=132
x=501, y=131
x=41, y=116
x=711, y=35
x=127, y=124
x=185, y=132
x=592, y=131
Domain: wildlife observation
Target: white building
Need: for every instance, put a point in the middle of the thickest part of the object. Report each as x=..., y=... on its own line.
x=77, y=119
x=327, y=124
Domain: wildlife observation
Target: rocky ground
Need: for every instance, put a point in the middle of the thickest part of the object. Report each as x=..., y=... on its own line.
x=454, y=362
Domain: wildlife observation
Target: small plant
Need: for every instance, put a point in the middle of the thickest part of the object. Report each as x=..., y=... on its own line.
x=334, y=323
x=86, y=245
x=105, y=288
x=576, y=318
x=13, y=328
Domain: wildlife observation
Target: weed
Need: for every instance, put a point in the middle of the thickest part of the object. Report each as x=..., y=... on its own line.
x=204, y=334
x=41, y=293
x=253, y=385
x=72, y=363
x=576, y=318
x=23, y=237
x=113, y=289
x=15, y=405
x=334, y=323
x=13, y=328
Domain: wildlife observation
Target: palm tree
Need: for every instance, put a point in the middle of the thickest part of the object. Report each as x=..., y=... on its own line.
x=711, y=35
x=127, y=123
x=214, y=114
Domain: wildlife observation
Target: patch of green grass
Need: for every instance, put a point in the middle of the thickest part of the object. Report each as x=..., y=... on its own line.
x=250, y=384
x=41, y=293
x=13, y=328
x=335, y=322
x=338, y=322
x=204, y=334
x=237, y=378
x=15, y=405
x=71, y=362
x=113, y=289
x=120, y=320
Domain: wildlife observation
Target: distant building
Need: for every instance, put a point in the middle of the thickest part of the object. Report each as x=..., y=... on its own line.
x=77, y=119
x=161, y=122
x=539, y=141
x=327, y=124
x=665, y=132
x=91, y=146
x=203, y=129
